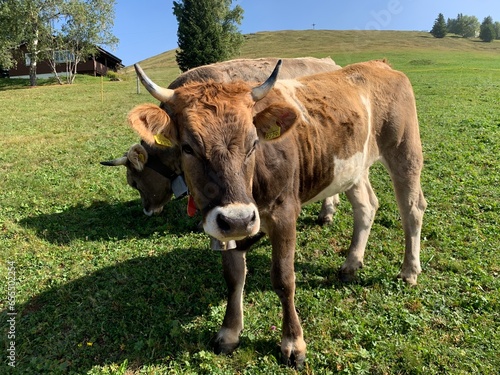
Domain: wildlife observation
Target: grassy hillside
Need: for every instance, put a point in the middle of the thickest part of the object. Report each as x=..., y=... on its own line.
x=101, y=289
x=346, y=47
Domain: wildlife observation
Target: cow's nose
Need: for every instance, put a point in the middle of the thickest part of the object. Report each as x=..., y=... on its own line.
x=235, y=224
x=232, y=222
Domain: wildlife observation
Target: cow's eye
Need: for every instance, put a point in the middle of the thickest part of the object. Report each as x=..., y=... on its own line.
x=187, y=149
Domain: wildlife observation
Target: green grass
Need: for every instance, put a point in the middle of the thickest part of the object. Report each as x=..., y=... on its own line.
x=102, y=289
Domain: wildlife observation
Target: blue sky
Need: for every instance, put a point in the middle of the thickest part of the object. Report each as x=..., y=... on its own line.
x=148, y=27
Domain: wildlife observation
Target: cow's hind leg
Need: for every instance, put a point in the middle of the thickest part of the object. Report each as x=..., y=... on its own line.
x=328, y=209
x=412, y=211
x=412, y=204
x=364, y=204
x=234, y=267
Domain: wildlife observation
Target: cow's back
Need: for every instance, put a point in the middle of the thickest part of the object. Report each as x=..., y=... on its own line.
x=255, y=70
x=346, y=116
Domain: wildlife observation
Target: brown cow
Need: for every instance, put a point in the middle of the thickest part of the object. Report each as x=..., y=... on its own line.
x=151, y=170
x=253, y=156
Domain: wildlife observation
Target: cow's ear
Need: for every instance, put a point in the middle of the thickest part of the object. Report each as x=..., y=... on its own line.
x=137, y=156
x=275, y=120
x=152, y=124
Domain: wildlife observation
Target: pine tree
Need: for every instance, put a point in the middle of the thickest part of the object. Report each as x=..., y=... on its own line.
x=207, y=31
x=454, y=25
x=497, y=29
x=487, y=31
x=439, y=29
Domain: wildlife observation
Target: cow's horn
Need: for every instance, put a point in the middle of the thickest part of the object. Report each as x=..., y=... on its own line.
x=115, y=162
x=261, y=91
x=160, y=93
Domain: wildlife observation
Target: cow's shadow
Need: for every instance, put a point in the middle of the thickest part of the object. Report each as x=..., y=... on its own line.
x=103, y=220
x=143, y=310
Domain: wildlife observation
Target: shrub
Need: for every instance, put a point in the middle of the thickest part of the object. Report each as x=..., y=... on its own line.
x=113, y=76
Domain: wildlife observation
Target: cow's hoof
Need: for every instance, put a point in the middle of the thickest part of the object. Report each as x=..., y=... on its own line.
x=221, y=347
x=347, y=277
x=409, y=273
x=409, y=278
x=294, y=361
x=293, y=352
x=325, y=219
x=348, y=271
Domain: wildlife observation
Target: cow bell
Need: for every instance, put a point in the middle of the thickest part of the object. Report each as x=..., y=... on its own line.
x=217, y=245
x=179, y=187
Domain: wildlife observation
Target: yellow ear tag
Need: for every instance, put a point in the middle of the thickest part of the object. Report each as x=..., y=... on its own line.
x=273, y=132
x=160, y=139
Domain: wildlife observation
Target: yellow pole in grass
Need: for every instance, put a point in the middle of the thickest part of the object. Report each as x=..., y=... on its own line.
x=102, y=89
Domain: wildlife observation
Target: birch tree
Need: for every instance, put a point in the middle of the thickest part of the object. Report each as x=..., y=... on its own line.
x=29, y=22
x=87, y=24
x=47, y=27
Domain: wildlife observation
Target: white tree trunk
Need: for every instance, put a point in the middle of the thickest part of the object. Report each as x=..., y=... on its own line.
x=33, y=59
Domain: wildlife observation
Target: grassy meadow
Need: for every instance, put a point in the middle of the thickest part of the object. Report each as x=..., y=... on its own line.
x=102, y=289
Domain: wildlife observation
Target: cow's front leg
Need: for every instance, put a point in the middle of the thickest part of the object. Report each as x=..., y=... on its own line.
x=234, y=267
x=282, y=236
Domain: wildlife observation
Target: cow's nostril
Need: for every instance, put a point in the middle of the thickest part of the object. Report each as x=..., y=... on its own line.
x=254, y=217
x=222, y=223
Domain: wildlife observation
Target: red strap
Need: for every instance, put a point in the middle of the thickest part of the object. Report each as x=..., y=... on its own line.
x=191, y=208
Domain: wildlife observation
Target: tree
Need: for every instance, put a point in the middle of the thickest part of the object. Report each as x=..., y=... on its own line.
x=466, y=26
x=497, y=29
x=207, y=31
x=470, y=26
x=87, y=24
x=46, y=26
x=439, y=28
x=7, y=39
x=487, y=31
x=452, y=25
x=29, y=22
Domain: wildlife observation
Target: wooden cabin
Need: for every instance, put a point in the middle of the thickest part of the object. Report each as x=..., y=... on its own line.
x=97, y=65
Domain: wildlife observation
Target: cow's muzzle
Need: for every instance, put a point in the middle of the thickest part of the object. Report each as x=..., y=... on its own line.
x=232, y=222
x=153, y=211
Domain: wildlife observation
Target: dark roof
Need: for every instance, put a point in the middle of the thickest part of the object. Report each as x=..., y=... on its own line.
x=109, y=55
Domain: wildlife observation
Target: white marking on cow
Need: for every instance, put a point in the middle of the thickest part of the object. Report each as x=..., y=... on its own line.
x=368, y=106
x=152, y=212
x=236, y=212
x=347, y=172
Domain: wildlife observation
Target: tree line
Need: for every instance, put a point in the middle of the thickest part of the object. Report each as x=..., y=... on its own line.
x=467, y=27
